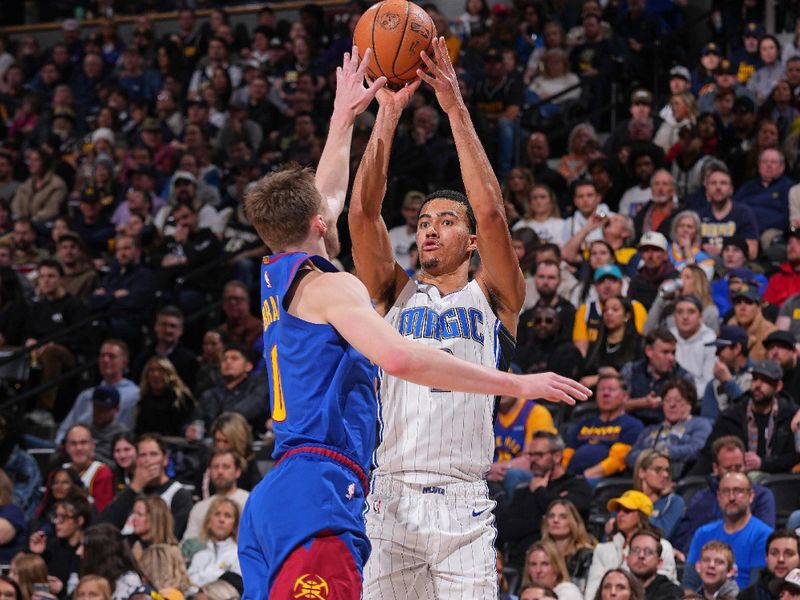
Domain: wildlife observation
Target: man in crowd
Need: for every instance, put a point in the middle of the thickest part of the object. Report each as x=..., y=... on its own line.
x=786, y=281
x=783, y=555
x=787, y=588
x=694, y=349
x=644, y=560
x=224, y=468
x=717, y=570
x=644, y=377
x=732, y=375
x=240, y=324
x=168, y=330
x=744, y=533
x=519, y=521
x=599, y=444
x=748, y=314
x=547, y=280
x=80, y=278
x=241, y=391
x=112, y=364
x=97, y=477
x=781, y=346
x=654, y=268
x=150, y=479
x=544, y=345
x=728, y=456
x=721, y=218
x=658, y=213
x=761, y=420
x=104, y=425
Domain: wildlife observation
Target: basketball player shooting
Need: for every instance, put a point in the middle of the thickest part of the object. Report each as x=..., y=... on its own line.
x=302, y=532
x=429, y=516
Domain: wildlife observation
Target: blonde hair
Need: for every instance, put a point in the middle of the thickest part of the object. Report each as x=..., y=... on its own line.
x=722, y=547
x=702, y=289
x=643, y=461
x=553, y=555
x=30, y=569
x=164, y=567
x=578, y=536
x=182, y=391
x=220, y=590
x=237, y=431
x=215, y=504
x=554, y=212
x=161, y=521
x=101, y=582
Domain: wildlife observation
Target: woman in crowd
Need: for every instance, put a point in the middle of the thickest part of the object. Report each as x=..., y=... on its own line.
x=152, y=524
x=104, y=552
x=62, y=483
x=516, y=192
x=772, y=69
x=563, y=526
x=166, y=402
x=9, y=590
x=652, y=477
x=617, y=343
x=164, y=568
x=534, y=591
x=554, y=38
x=92, y=587
x=634, y=510
x=41, y=196
x=780, y=108
x=123, y=450
x=619, y=584
x=542, y=215
x=231, y=430
x=29, y=570
x=684, y=248
x=600, y=253
x=218, y=590
x=554, y=79
x=684, y=114
x=12, y=521
x=582, y=139
x=693, y=280
x=680, y=436
x=545, y=565
x=219, y=533
x=474, y=18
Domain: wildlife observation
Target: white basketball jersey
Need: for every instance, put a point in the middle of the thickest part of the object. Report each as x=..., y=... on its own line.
x=432, y=436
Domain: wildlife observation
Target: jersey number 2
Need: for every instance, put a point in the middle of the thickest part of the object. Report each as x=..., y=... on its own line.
x=279, y=406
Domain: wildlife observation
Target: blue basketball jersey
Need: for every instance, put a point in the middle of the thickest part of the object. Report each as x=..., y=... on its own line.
x=322, y=390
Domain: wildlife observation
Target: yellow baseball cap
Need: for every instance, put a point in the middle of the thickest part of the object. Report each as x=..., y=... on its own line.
x=632, y=500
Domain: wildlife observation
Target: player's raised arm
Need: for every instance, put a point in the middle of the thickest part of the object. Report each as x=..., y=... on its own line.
x=342, y=301
x=352, y=98
x=374, y=258
x=499, y=274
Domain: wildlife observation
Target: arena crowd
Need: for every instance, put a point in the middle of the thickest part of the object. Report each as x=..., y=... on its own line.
x=651, y=196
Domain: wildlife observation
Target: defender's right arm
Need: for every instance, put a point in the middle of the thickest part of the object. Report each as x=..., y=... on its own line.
x=372, y=249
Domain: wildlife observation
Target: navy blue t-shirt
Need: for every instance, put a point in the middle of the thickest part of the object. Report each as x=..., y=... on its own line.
x=14, y=515
x=739, y=221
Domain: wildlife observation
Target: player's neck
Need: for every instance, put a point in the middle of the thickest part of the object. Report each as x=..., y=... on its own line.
x=313, y=246
x=447, y=283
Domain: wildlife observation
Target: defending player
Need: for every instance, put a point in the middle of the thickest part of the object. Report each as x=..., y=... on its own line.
x=429, y=515
x=302, y=532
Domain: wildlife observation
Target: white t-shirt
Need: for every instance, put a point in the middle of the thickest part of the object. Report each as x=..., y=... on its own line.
x=401, y=243
x=573, y=224
x=550, y=230
x=633, y=199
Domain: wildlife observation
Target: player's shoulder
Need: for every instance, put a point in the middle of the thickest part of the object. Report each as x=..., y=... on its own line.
x=333, y=285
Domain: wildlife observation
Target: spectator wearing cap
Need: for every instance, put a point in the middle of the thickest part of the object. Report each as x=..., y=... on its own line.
x=151, y=135
x=734, y=271
x=183, y=189
x=744, y=533
x=786, y=281
x=92, y=222
x=598, y=446
x=654, y=268
x=241, y=391
x=608, y=282
x=80, y=278
x=771, y=70
x=694, y=351
x=748, y=315
x=499, y=97
x=105, y=424
x=207, y=182
x=703, y=75
x=761, y=420
x=782, y=556
x=724, y=79
x=168, y=111
x=680, y=82
x=781, y=347
x=732, y=376
x=721, y=218
x=544, y=341
x=746, y=58
x=767, y=194
x=789, y=316
x=680, y=435
x=787, y=588
x=42, y=194
x=112, y=364
x=634, y=510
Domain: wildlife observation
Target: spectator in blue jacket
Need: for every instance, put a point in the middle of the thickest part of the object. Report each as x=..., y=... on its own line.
x=728, y=455
x=652, y=477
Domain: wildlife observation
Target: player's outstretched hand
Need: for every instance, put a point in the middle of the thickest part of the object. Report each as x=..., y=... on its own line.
x=351, y=94
x=553, y=387
x=395, y=101
x=441, y=75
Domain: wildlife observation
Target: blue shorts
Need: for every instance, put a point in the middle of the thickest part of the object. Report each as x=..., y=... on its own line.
x=312, y=493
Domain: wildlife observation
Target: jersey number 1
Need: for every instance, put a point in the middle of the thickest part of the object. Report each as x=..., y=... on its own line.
x=279, y=406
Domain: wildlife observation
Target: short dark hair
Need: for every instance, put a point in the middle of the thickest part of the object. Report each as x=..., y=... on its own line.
x=152, y=437
x=652, y=534
x=660, y=333
x=457, y=197
x=51, y=263
x=686, y=389
x=726, y=442
x=549, y=247
x=556, y=441
x=241, y=349
x=79, y=505
x=783, y=534
x=170, y=311
x=237, y=459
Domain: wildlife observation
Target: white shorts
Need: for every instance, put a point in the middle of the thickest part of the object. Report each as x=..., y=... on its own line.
x=430, y=542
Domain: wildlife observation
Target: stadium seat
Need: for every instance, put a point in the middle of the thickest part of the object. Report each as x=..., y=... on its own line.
x=785, y=487
x=689, y=486
x=608, y=488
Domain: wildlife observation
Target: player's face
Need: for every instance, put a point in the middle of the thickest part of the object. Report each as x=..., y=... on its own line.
x=443, y=237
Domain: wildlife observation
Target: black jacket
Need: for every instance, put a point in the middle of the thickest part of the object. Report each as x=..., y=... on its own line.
x=249, y=399
x=48, y=317
x=121, y=506
x=138, y=304
x=759, y=589
x=733, y=421
x=661, y=588
x=519, y=521
x=183, y=359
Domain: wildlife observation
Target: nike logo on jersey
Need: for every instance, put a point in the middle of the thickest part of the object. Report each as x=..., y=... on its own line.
x=458, y=322
x=477, y=513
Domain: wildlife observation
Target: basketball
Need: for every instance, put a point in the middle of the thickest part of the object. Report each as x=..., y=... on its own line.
x=397, y=31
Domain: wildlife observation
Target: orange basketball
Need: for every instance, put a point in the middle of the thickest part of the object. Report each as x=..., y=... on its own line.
x=397, y=31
